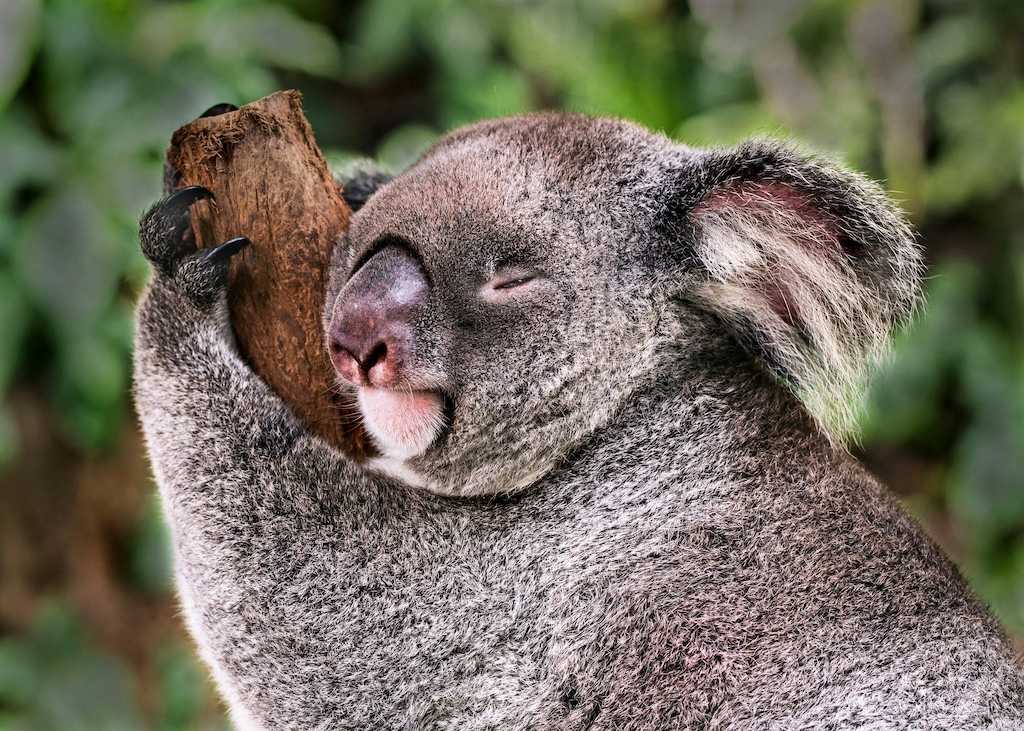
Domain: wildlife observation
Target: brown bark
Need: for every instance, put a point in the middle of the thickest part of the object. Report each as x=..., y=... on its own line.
x=271, y=184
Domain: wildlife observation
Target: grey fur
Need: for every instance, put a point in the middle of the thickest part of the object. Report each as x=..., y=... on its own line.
x=658, y=533
x=358, y=179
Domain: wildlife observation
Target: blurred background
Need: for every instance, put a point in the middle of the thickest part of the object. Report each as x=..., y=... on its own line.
x=927, y=95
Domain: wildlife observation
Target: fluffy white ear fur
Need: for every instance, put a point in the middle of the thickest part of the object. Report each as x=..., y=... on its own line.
x=817, y=283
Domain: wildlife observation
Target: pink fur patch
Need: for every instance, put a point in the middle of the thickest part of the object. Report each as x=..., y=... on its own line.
x=402, y=423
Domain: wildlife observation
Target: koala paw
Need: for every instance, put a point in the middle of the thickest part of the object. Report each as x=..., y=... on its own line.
x=167, y=241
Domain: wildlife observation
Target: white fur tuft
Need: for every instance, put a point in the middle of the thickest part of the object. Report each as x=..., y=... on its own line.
x=778, y=270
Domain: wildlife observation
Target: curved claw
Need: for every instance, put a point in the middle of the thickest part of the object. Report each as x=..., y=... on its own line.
x=185, y=197
x=218, y=109
x=227, y=250
x=164, y=229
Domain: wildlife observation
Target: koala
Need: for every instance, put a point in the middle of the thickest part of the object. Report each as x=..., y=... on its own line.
x=610, y=379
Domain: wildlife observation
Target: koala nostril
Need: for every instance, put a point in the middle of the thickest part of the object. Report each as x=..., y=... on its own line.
x=364, y=357
x=378, y=354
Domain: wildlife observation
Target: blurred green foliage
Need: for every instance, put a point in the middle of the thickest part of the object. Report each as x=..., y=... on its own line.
x=54, y=678
x=927, y=95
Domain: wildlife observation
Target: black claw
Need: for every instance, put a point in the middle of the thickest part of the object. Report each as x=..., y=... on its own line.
x=164, y=230
x=227, y=250
x=185, y=197
x=218, y=109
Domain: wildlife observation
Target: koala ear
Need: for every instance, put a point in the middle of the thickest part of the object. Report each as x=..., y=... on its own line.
x=360, y=179
x=810, y=265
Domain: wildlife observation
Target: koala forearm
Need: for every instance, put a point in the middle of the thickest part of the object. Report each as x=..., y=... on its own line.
x=222, y=442
x=195, y=396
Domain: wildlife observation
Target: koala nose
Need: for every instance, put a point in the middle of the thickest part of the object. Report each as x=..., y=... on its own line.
x=363, y=360
x=370, y=335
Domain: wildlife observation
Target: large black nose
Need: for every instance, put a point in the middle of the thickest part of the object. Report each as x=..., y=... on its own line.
x=370, y=334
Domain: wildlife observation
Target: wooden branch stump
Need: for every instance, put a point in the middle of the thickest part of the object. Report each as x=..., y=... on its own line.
x=271, y=184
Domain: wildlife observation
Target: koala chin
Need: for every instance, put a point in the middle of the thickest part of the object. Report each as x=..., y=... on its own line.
x=403, y=424
x=611, y=378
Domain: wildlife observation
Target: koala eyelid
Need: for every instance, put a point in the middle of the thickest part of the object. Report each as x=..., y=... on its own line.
x=514, y=282
x=503, y=286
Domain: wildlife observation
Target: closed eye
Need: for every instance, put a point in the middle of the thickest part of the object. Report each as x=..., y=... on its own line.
x=513, y=283
x=510, y=284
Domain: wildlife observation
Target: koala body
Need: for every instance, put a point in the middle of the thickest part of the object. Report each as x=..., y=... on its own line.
x=608, y=377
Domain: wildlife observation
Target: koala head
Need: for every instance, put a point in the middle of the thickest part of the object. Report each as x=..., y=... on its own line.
x=504, y=297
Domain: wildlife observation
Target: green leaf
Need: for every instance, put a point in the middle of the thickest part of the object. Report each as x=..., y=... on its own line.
x=14, y=314
x=55, y=679
x=729, y=125
x=28, y=158
x=985, y=493
x=19, y=33
x=184, y=691
x=91, y=388
x=403, y=147
x=384, y=36
x=262, y=32
x=952, y=42
x=275, y=35
x=497, y=91
x=67, y=259
x=975, y=166
x=905, y=403
x=19, y=676
x=9, y=442
x=150, y=551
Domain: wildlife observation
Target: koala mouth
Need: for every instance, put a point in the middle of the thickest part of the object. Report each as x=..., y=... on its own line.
x=403, y=424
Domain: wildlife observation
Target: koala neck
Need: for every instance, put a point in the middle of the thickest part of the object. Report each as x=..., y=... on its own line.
x=710, y=408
